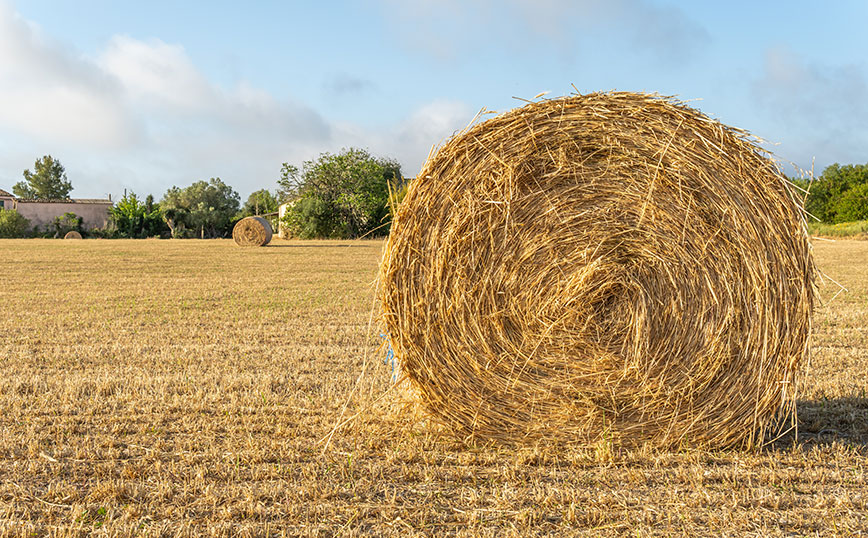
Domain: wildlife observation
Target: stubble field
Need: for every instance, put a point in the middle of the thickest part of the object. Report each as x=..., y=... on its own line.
x=183, y=388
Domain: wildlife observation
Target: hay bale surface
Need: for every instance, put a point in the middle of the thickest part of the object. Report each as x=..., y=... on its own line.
x=72, y=235
x=613, y=267
x=252, y=232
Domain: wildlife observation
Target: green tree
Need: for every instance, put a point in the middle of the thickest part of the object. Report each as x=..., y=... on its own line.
x=136, y=219
x=207, y=208
x=260, y=202
x=288, y=184
x=344, y=195
x=12, y=224
x=46, y=182
x=829, y=197
x=852, y=204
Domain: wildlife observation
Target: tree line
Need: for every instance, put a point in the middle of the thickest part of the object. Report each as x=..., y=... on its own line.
x=345, y=195
x=839, y=194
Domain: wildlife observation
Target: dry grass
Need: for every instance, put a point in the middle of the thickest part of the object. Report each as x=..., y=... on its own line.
x=181, y=388
x=611, y=267
x=843, y=230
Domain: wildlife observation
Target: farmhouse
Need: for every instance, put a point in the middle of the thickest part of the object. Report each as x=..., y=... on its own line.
x=41, y=213
x=6, y=200
x=282, y=230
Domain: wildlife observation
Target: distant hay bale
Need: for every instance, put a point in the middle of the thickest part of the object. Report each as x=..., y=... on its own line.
x=72, y=235
x=613, y=267
x=252, y=232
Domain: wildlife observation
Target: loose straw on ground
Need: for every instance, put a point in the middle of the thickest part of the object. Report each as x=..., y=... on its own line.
x=613, y=267
x=252, y=232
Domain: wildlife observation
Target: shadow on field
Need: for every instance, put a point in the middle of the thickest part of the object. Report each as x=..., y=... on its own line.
x=825, y=421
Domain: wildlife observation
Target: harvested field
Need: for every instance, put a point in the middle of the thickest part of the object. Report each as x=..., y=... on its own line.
x=183, y=387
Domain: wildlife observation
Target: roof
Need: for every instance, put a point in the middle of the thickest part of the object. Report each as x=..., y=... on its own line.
x=69, y=201
x=5, y=194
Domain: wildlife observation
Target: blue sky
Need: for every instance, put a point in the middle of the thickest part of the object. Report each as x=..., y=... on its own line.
x=145, y=95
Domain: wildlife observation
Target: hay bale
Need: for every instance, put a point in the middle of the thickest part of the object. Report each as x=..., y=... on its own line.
x=72, y=235
x=252, y=232
x=613, y=267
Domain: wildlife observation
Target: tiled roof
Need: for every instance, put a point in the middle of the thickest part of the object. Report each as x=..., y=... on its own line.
x=69, y=201
x=4, y=193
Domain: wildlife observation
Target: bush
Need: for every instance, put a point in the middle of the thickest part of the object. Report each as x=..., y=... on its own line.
x=311, y=217
x=69, y=222
x=343, y=196
x=137, y=220
x=12, y=224
x=109, y=232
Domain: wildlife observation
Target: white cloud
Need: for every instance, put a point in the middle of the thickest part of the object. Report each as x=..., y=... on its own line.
x=140, y=115
x=412, y=139
x=53, y=95
x=820, y=109
x=157, y=73
x=343, y=84
x=449, y=28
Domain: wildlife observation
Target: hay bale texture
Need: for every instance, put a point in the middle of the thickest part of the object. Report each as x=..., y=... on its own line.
x=252, y=232
x=604, y=267
x=72, y=235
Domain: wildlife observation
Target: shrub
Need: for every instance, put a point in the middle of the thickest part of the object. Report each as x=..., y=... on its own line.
x=69, y=222
x=13, y=224
x=343, y=196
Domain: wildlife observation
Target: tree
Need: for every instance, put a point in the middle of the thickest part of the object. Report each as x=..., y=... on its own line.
x=344, y=195
x=259, y=202
x=288, y=184
x=135, y=219
x=830, y=198
x=12, y=224
x=852, y=204
x=207, y=207
x=46, y=182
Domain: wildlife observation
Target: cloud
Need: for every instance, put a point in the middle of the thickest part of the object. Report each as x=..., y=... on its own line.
x=428, y=127
x=49, y=93
x=666, y=31
x=162, y=78
x=140, y=115
x=346, y=84
x=449, y=28
x=412, y=139
x=820, y=109
x=158, y=73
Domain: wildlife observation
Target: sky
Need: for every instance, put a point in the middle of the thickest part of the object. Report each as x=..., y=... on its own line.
x=142, y=96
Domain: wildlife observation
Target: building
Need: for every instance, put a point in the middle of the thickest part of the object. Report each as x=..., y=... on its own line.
x=6, y=200
x=41, y=213
x=282, y=230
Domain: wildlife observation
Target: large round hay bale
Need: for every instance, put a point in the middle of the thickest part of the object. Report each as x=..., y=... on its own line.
x=72, y=235
x=252, y=232
x=613, y=267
